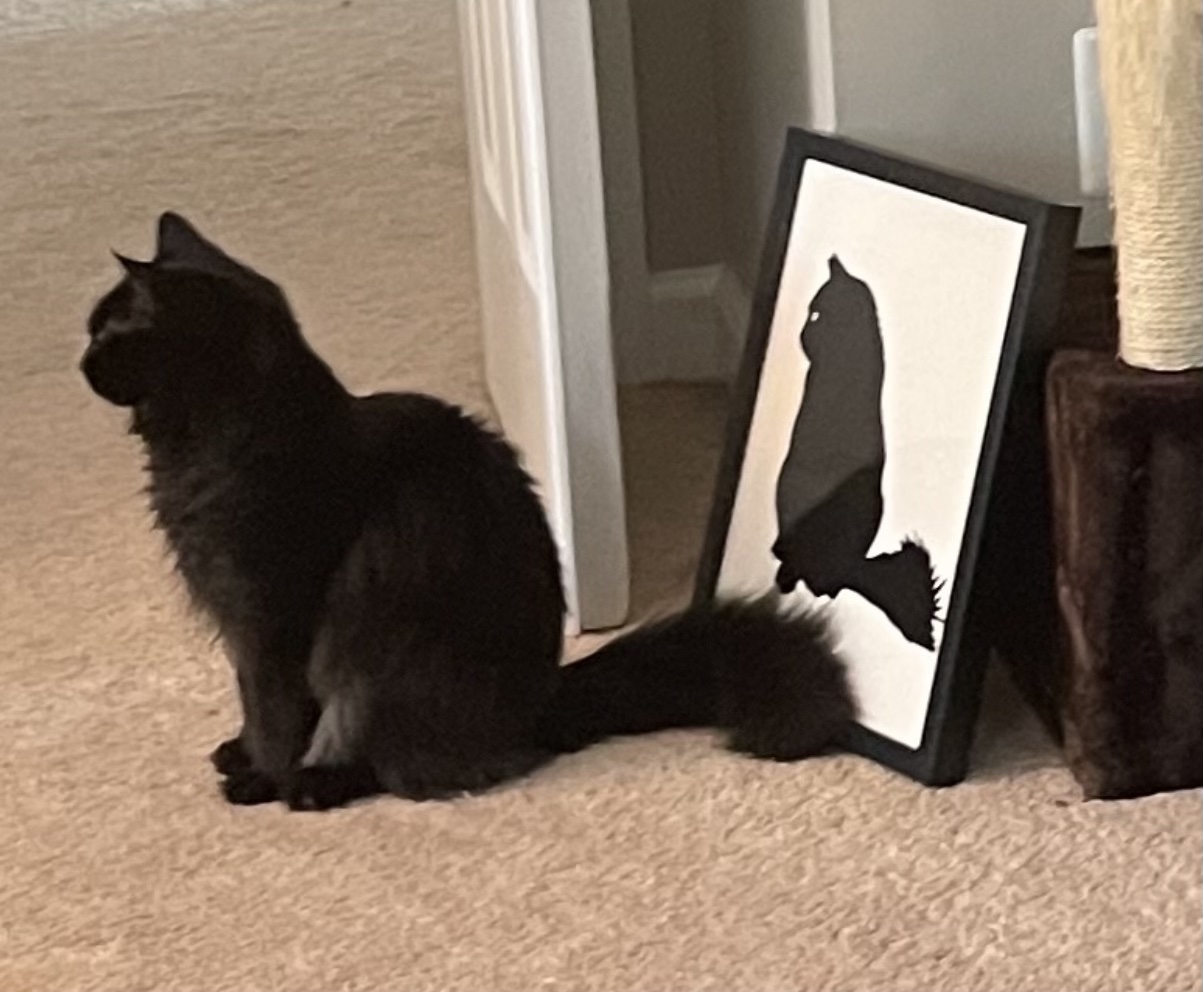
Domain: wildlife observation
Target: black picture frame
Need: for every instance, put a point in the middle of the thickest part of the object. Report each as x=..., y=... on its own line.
x=1050, y=230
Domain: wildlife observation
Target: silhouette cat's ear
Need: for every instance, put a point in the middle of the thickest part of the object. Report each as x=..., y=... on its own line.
x=133, y=268
x=836, y=266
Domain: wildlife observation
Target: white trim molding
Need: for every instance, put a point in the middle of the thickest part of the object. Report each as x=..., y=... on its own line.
x=820, y=65
x=698, y=322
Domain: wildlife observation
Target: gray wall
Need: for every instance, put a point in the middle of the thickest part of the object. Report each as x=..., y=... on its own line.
x=760, y=90
x=977, y=86
x=675, y=79
x=980, y=86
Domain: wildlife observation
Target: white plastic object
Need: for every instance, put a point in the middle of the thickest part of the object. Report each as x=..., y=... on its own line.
x=1091, y=115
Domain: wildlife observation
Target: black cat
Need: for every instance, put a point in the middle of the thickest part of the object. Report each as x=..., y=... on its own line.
x=381, y=572
x=829, y=500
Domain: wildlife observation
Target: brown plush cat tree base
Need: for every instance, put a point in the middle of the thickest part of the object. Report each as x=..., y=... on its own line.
x=1126, y=461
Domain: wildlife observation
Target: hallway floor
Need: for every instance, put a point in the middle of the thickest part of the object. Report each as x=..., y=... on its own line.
x=324, y=142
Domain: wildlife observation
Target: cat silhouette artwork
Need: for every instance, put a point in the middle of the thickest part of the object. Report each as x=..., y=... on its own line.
x=829, y=491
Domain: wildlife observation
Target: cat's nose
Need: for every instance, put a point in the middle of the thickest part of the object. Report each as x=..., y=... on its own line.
x=88, y=356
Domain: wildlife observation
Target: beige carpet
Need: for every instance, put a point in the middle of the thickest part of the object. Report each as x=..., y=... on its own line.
x=324, y=141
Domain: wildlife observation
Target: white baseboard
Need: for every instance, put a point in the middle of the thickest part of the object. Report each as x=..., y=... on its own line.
x=695, y=328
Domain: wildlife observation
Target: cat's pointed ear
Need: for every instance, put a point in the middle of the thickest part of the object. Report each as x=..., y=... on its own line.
x=180, y=242
x=836, y=266
x=182, y=246
x=133, y=268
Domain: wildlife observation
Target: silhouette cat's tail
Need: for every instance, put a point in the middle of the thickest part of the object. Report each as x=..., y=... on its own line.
x=771, y=682
x=903, y=585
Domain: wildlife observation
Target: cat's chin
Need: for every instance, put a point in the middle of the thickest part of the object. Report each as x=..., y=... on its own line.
x=106, y=381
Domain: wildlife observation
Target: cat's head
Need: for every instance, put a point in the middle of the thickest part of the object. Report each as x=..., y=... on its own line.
x=842, y=316
x=190, y=319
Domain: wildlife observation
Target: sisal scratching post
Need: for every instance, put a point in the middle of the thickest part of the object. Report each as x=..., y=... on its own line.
x=1126, y=438
x=1151, y=62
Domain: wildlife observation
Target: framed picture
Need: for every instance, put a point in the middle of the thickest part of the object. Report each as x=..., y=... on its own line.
x=892, y=306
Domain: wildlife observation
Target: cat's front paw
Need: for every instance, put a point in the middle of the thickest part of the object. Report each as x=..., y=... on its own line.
x=230, y=757
x=249, y=788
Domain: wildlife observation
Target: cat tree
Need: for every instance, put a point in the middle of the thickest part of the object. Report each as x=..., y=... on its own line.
x=1126, y=437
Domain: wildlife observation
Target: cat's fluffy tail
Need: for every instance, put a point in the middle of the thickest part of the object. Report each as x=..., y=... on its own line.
x=771, y=682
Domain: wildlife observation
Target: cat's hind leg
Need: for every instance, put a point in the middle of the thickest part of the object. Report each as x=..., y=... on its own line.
x=431, y=776
x=322, y=787
x=332, y=773
x=446, y=724
x=349, y=758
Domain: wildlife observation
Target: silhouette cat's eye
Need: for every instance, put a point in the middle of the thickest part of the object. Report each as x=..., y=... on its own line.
x=814, y=315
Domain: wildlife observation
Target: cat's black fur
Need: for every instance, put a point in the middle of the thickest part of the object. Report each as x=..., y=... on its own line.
x=381, y=572
x=829, y=498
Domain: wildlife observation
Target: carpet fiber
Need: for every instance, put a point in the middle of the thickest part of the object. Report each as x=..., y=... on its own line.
x=324, y=142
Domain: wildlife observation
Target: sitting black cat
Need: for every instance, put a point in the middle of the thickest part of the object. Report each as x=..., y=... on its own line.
x=381, y=572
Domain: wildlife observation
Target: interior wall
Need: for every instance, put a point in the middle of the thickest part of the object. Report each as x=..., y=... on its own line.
x=682, y=183
x=622, y=179
x=976, y=86
x=760, y=66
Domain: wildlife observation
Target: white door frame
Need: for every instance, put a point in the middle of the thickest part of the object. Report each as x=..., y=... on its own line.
x=543, y=254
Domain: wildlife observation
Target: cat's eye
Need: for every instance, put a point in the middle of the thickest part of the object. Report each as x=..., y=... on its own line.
x=814, y=315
